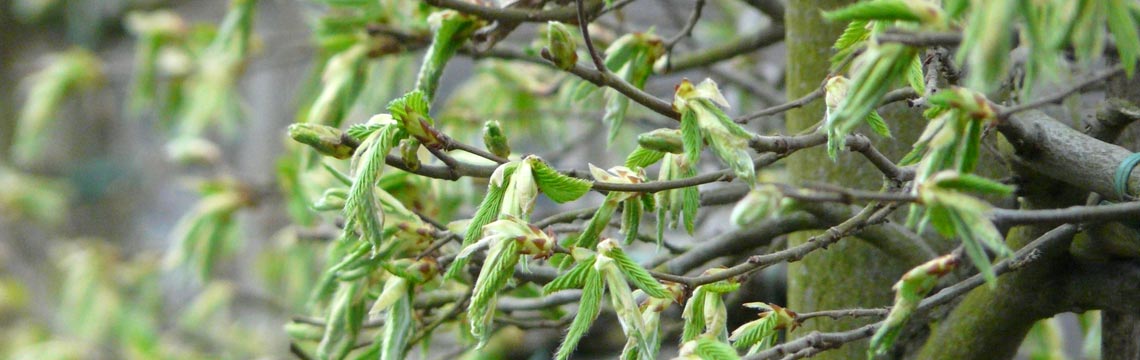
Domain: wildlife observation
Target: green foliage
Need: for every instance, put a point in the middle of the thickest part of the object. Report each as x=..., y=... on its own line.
x=909, y=292
x=707, y=348
x=397, y=223
x=760, y=203
x=955, y=214
x=849, y=105
x=631, y=58
x=361, y=209
x=208, y=229
x=346, y=313
x=561, y=49
x=588, y=308
x=495, y=140
x=451, y=29
x=68, y=73
x=704, y=313
x=341, y=84
x=676, y=205
x=888, y=10
x=702, y=118
x=209, y=91
x=555, y=185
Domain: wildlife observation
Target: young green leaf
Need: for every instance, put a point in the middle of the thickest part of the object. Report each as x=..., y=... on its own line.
x=398, y=329
x=888, y=10
x=555, y=185
x=499, y=267
x=909, y=292
x=68, y=72
x=642, y=157
x=707, y=348
x=487, y=212
x=636, y=274
x=343, y=322
x=575, y=278
x=702, y=117
x=451, y=29
x=1124, y=30
x=361, y=211
x=588, y=309
x=853, y=37
x=341, y=84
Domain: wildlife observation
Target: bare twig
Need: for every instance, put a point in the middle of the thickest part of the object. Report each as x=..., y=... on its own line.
x=584, y=25
x=839, y=314
x=686, y=31
x=561, y=14
x=823, y=341
x=803, y=100
x=1096, y=78
x=743, y=45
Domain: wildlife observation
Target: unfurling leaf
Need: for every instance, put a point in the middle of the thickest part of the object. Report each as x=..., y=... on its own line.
x=451, y=29
x=758, y=204
x=411, y=112
x=631, y=58
x=985, y=45
x=662, y=140
x=555, y=185
x=487, y=212
x=69, y=72
x=340, y=86
x=762, y=333
x=362, y=210
x=575, y=278
x=702, y=118
x=707, y=348
x=621, y=297
x=588, y=309
x=888, y=10
x=642, y=157
x=704, y=313
x=498, y=268
x=618, y=175
x=909, y=292
x=342, y=325
x=398, y=329
x=953, y=213
x=636, y=274
x=508, y=239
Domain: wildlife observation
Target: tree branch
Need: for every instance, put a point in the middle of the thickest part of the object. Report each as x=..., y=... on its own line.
x=561, y=14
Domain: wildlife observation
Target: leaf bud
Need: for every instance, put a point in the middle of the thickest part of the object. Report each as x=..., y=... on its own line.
x=326, y=140
x=495, y=140
x=561, y=48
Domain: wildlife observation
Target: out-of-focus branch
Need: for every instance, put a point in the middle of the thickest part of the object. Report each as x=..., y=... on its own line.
x=561, y=14
x=743, y=45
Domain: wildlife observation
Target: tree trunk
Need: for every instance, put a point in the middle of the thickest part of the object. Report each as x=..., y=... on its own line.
x=851, y=273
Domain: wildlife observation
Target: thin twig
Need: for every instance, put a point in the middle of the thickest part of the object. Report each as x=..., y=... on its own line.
x=803, y=100
x=584, y=25
x=1098, y=77
x=823, y=341
x=839, y=314
x=687, y=31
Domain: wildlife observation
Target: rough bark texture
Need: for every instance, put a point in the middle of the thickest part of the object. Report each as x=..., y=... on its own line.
x=1121, y=330
x=851, y=273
